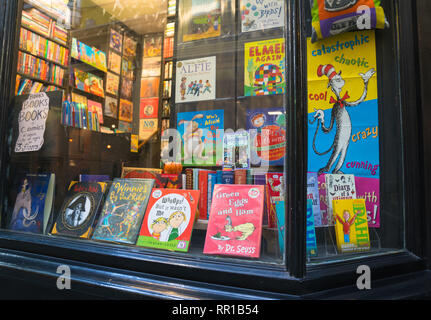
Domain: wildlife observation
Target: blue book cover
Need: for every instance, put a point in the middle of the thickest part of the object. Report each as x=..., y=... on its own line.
x=279, y=209
x=310, y=231
x=33, y=203
x=267, y=131
x=212, y=180
x=313, y=194
x=228, y=177
x=93, y=178
x=219, y=177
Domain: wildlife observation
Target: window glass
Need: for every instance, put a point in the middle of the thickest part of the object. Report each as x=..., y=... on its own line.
x=354, y=180
x=153, y=124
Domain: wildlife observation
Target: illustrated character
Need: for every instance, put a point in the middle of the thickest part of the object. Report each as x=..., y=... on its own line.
x=106, y=222
x=277, y=185
x=207, y=87
x=339, y=5
x=22, y=202
x=346, y=223
x=158, y=226
x=193, y=145
x=129, y=220
x=246, y=229
x=266, y=77
x=258, y=120
x=183, y=88
x=174, y=230
x=75, y=211
x=339, y=116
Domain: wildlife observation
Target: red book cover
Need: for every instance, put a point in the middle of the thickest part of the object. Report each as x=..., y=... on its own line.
x=203, y=188
x=169, y=219
x=235, y=222
x=240, y=176
x=275, y=185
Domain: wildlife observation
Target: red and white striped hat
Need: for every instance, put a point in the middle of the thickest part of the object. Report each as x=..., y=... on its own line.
x=326, y=70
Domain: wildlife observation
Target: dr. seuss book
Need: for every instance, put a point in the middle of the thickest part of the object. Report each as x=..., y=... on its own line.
x=261, y=14
x=123, y=210
x=338, y=186
x=80, y=209
x=267, y=130
x=168, y=222
x=235, y=221
x=33, y=195
x=195, y=80
x=264, y=67
x=201, y=135
x=202, y=19
x=310, y=233
x=313, y=194
x=351, y=226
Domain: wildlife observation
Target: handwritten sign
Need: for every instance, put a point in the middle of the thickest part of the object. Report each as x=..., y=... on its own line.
x=32, y=123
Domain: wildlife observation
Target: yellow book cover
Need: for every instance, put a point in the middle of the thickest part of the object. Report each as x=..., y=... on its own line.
x=351, y=225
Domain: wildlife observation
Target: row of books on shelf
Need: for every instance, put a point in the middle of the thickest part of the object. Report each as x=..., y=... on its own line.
x=89, y=55
x=142, y=211
x=44, y=25
x=27, y=86
x=42, y=47
x=80, y=115
x=172, y=5
x=168, y=47
x=38, y=68
x=88, y=82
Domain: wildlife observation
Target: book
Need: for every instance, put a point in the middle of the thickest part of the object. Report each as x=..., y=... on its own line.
x=310, y=238
x=313, y=195
x=235, y=229
x=201, y=137
x=351, y=226
x=240, y=176
x=129, y=49
x=125, y=111
x=145, y=173
x=151, y=67
x=281, y=227
x=95, y=108
x=80, y=209
x=173, y=181
x=148, y=108
x=211, y=183
x=127, y=69
x=153, y=45
x=94, y=178
x=148, y=128
x=111, y=107
x=116, y=40
x=195, y=80
x=264, y=67
x=338, y=186
x=228, y=177
x=169, y=219
x=33, y=202
x=114, y=62
x=123, y=210
x=112, y=83
x=203, y=189
x=150, y=87
x=90, y=55
x=261, y=14
x=126, y=89
x=202, y=19
x=276, y=192
x=267, y=131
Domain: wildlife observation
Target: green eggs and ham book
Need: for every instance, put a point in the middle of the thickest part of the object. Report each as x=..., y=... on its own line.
x=123, y=211
x=235, y=221
x=80, y=209
x=168, y=222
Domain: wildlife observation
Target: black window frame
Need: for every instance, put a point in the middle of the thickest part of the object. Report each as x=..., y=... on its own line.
x=295, y=277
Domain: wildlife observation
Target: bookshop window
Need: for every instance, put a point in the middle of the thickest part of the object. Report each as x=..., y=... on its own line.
x=153, y=124
x=354, y=179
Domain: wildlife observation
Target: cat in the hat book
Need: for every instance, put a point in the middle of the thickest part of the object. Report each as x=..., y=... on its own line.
x=235, y=221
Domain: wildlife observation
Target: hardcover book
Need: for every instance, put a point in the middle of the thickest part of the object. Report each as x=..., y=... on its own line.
x=338, y=186
x=123, y=210
x=267, y=130
x=169, y=219
x=201, y=137
x=351, y=226
x=195, y=80
x=80, y=209
x=33, y=203
x=261, y=14
x=203, y=19
x=235, y=221
x=264, y=67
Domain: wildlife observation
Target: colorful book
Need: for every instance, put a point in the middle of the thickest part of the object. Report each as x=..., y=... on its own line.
x=33, y=203
x=261, y=14
x=169, y=219
x=195, y=80
x=264, y=67
x=310, y=232
x=203, y=191
x=351, y=226
x=116, y=40
x=123, y=210
x=276, y=191
x=202, y=19
x=267, y=130
x=236, y=228
x=338, y=186
x=173, y=181
x=201, y=137
x=145, y=173
x=80, y=209
x=281, y=227
x=313, y=194
x=212, y=180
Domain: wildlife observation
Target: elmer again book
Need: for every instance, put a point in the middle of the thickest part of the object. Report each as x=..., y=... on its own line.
x=235, y=221
x=351, y=226
x=168, y=222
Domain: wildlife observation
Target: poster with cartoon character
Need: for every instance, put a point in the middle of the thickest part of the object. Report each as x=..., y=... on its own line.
x=343, y=127
x=201, y=135
x=169, y=219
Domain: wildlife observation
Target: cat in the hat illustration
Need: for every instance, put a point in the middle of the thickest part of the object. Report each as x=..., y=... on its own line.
x=339, y=116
